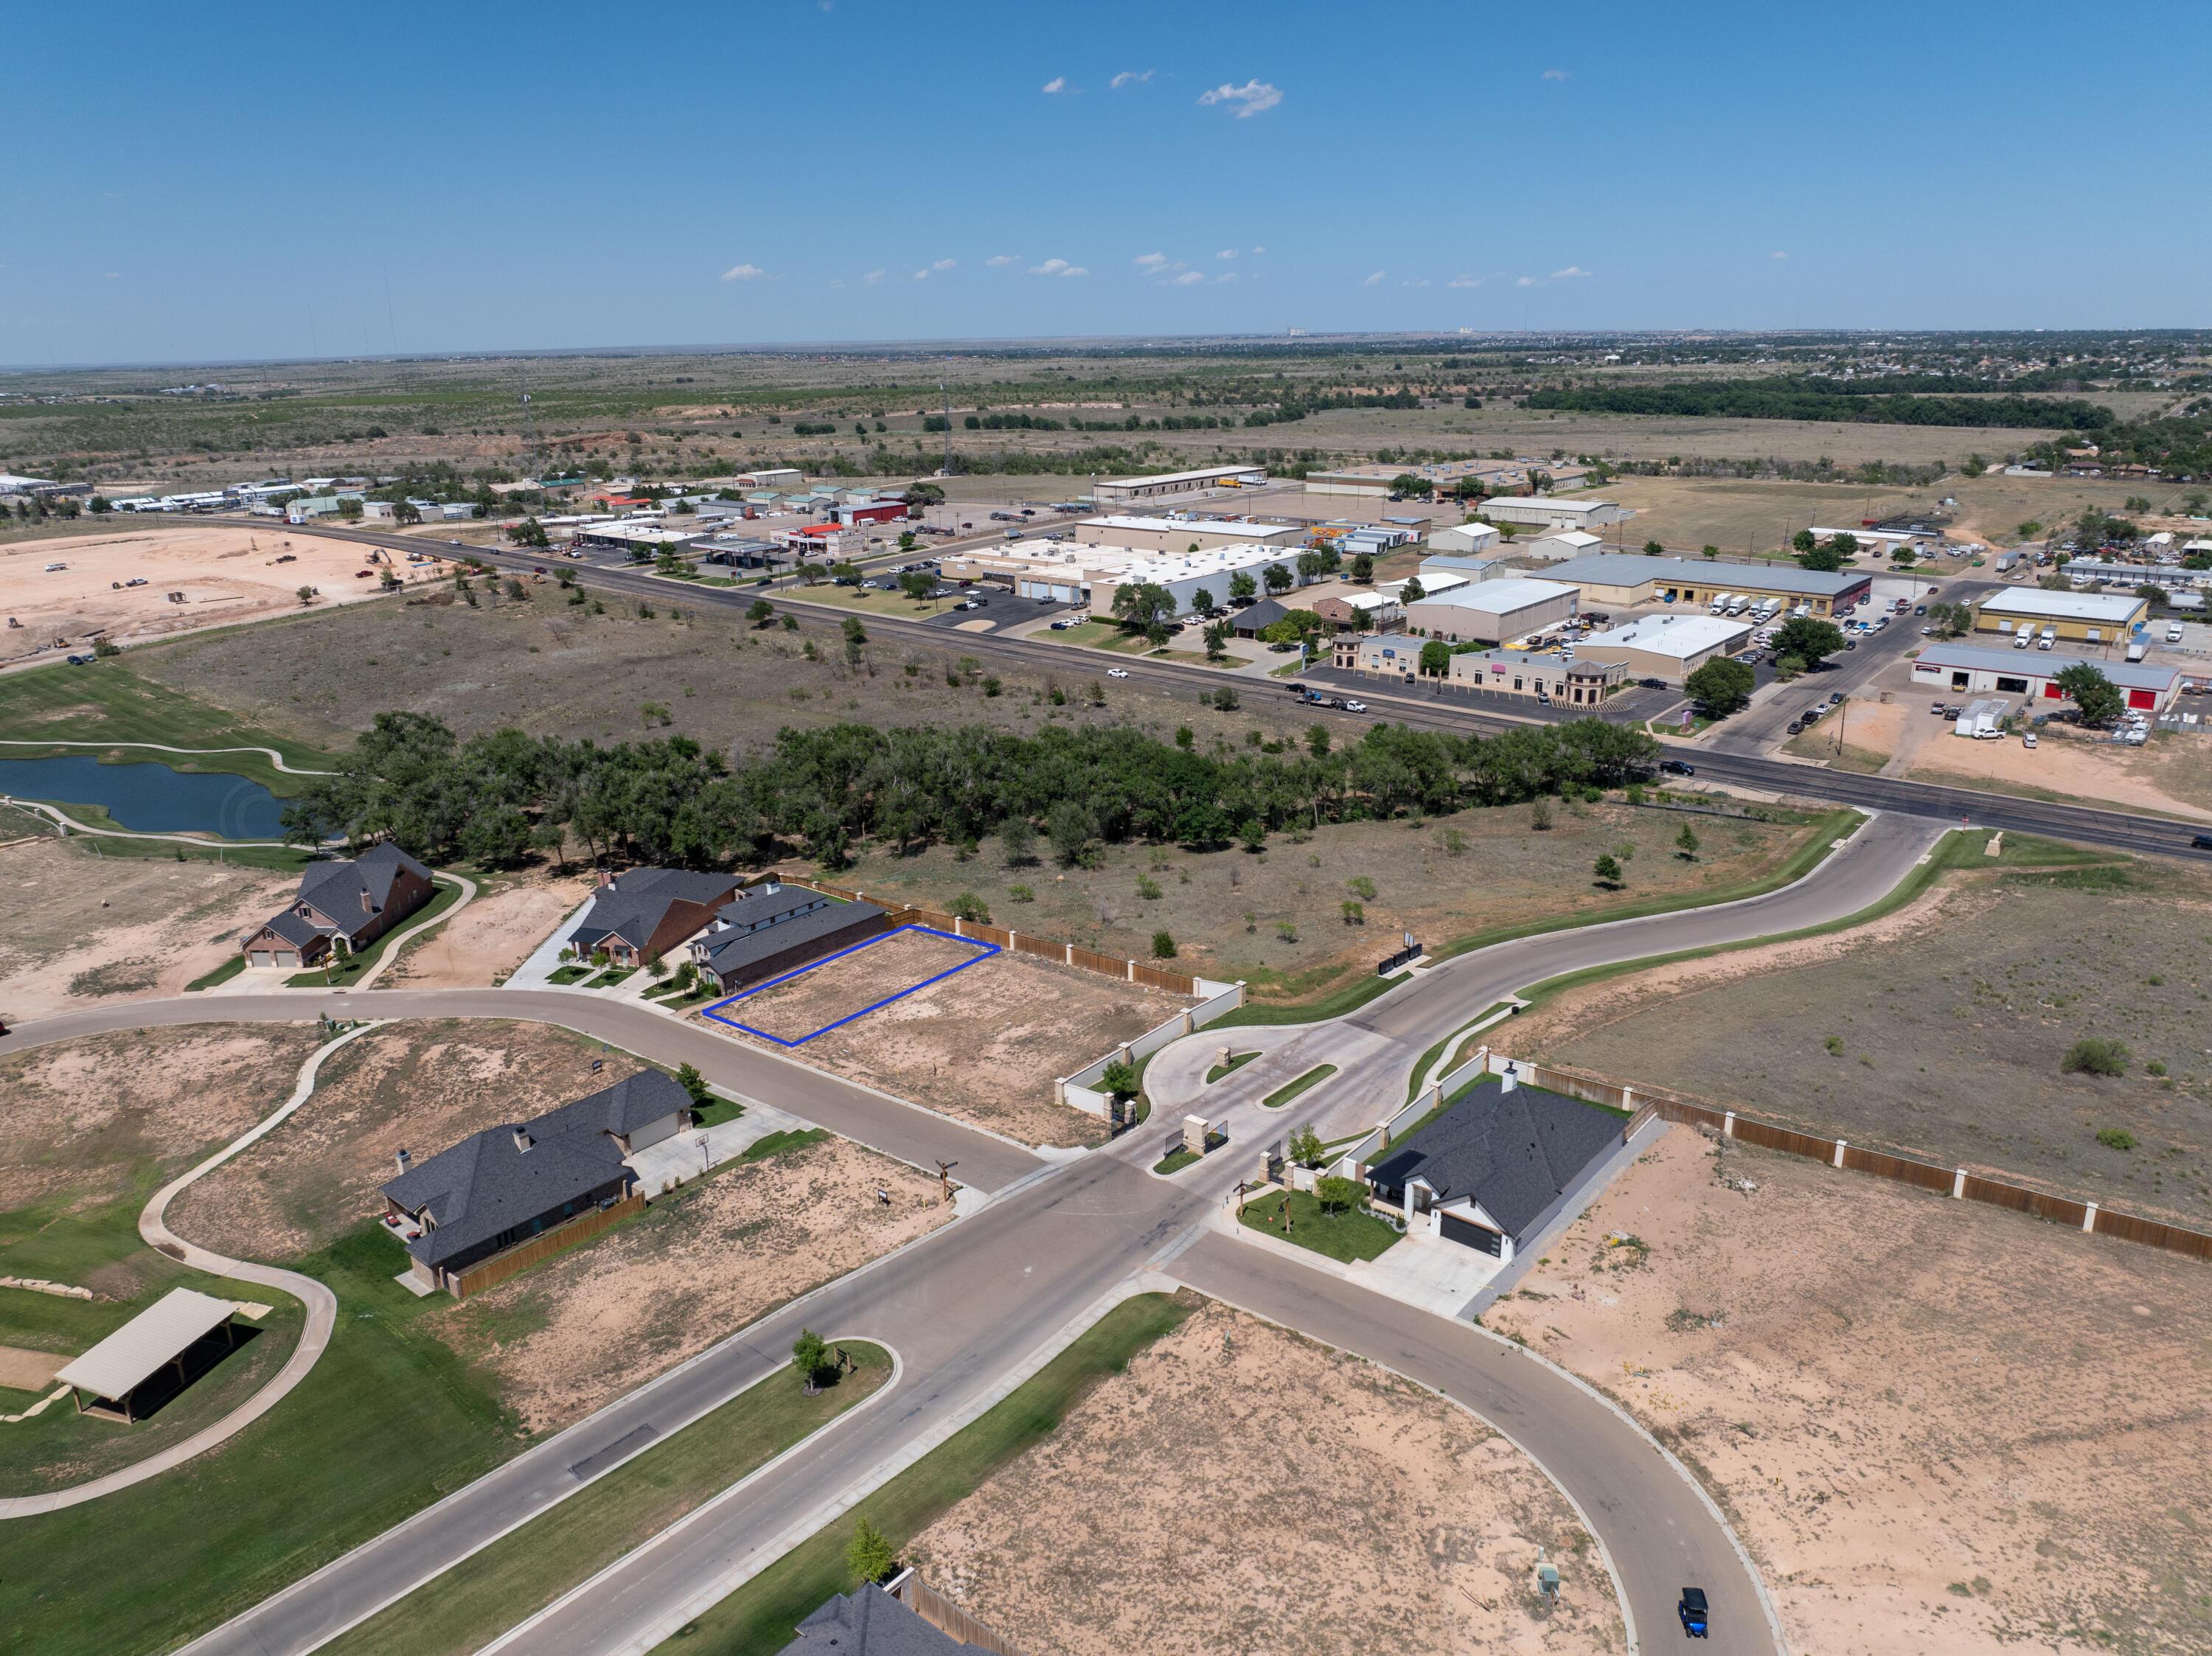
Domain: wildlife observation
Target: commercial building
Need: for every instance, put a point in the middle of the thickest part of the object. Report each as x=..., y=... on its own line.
x=1067, y=572
x=1179, y=534
x=1491, y=611
x=2171, y=577
x=1443, y=476
x=769, y=477
x=2084, y=617
x=1432, y=582
x=1560, y=544
x=1630, y=580
x=636, y=535
x=1437, y=573
x=1463, y=541
x=1542, y=675
x=2034, y=674
x=1549, y=511
x=852, y=513
x=1669, y=648
x=1111, y=491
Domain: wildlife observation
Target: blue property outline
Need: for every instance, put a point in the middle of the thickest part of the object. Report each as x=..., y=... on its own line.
x=987, y=950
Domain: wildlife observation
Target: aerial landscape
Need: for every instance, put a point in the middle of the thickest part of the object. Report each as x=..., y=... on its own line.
x=1057, y=904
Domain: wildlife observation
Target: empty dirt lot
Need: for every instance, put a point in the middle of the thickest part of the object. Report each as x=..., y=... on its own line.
x=850, y=982
x=984, y=1045
x=1228, y=910
x=498, y=930
x=81, y=928
x=1949, y=1023
x=1239, y=1488
x=1938, y=1426
x=226, y=574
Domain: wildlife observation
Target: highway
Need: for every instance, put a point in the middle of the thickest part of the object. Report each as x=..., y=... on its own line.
x=2117, y=830
x=973, y=1307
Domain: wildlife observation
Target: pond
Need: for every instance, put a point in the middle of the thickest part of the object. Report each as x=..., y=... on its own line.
x=150, y=798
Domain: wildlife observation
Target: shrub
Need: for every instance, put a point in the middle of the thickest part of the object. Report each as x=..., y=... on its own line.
x=1163, y=946
x=2093, y=1055
x=1148, y=887
x=2116, y=1138
x=1020, y=893
x=868, y=1555
x=970, y=906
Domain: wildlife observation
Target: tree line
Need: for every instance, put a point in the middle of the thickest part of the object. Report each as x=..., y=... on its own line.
x=1800, y=399
x=497, y=798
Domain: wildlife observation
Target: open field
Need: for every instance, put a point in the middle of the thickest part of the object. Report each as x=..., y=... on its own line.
x=984, y=1046
x=1229, y=910
x=551, y=667
x=1949, y=1020
x=225, y=574
x=849, y=983
x=84, y=927
x=2172, y=775
x=109, y=702
x=1360, y=1510
x=1937, y=1426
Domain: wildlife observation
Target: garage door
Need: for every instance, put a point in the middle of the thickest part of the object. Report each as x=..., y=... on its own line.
x=1471, y=1235
x=260, y=958
x=2142, y=698
x=286, y=957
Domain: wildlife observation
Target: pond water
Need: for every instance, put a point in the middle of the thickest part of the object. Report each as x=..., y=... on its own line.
x=149, y=797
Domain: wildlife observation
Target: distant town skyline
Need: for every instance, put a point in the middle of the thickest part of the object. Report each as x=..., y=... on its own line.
x=840, y=171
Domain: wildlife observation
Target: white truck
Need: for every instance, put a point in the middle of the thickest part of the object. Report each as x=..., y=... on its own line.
x=1980, y=720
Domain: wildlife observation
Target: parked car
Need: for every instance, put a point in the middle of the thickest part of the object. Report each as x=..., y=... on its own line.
x=1676, y=767
x=2028, y=741
x=2201, y=842
x=1795, y=725
x=80, y=661
x=1117, y=672
x=1355, y=706
x=1062, y=626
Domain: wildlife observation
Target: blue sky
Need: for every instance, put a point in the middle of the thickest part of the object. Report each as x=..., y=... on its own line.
x=251, y=181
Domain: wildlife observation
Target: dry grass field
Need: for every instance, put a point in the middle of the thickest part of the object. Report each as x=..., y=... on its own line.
x=1276, y=919
x=1938, y=1426
x=850, y=982
x=1942, y=1032
x=1240, y=1489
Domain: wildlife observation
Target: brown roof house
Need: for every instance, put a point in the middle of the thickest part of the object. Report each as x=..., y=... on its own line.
x=643, y=912
x=341, y=906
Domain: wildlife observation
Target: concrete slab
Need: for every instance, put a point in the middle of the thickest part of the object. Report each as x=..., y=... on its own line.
x=690, y=1155
x=536, y=972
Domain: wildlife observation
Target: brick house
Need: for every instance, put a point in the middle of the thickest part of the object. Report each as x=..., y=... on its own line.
x=343, y=906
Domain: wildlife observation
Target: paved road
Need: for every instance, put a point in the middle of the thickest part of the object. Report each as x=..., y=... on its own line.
x=969, y=1308
x=2118, y=830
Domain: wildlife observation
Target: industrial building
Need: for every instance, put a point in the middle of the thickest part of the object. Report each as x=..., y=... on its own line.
x=1492, y=477
x=1546, y=512
x=1453, y=570
x=1492, y=611
x=1669, y=648
x=1357, y=607
x=2171, y=577
x=2081, y=617
x=1629, y=579
x=1179, y=534
x=1063, y=572
x=1463, y=541
x=1545, y=677
x=2034, y=674
x=1560, y=544
x=1112, y=491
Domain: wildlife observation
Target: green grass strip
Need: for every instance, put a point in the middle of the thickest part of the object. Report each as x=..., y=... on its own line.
x=1311, y=1079
x=528, y=1569
x=1236, y=1061
x=761, y=1617
x=775, y=1143
x=1345, y=1236
x=223, y=973
x=88, y=707
x=1175, y=1161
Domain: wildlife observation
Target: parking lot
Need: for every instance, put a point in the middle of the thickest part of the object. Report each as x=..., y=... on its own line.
x=1626, y=706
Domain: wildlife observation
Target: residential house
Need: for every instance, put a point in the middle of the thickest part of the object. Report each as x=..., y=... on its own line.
x=1255, y=618
x=345, y=905
x=869, y=1622
x=519, y=1180
x=1358, y=610
x=771, y=929
x=1497, y=1166
x=643, y=912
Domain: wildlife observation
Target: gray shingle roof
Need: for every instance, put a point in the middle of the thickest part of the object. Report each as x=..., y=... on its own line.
x=869, y=1623
x=487, y=1184
x=632, y=906
x=731, y=951
x=296, y=928
x=1513, y=1152
x=622, y=1108
x=335, y=889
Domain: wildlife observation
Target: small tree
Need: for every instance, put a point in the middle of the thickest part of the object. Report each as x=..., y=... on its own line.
x=2097, y=697
x=2093, y=1055
x=1217, y=640
x=1435, y=659
x=1340, y=1195
x=1278, y=578
x=970, y=906
x=1803, y=542
x=1306, y=1148
x=1163, y=946
x=854, y=632
x=1018, y=840
x=688, y=1078
x=1119, y=1079
x=809, y=1354
x=1687, y=843
x=1606, y=870
x=1362, y=568
x=305, y=595
x=1810, y=639
x=1654, y=548
x=918, y=584
x=1412, y=591
x=1720, y=687
x=762, y=613
x=868, y=1555
x=1242, y=587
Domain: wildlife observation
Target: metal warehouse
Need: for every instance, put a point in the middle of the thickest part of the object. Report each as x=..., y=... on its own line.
x=1177, y=534
x=1547, y=513
x=2034, y=674
x=1630, y=578
x=1491, y=611
x=1109, y=491
x=2086, y=617
x=1667, y=647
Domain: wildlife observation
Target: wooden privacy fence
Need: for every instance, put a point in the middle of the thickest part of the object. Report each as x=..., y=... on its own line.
x=523, y=1255
x=1645, y=1102
x=940, y=1612
x=1021, y=943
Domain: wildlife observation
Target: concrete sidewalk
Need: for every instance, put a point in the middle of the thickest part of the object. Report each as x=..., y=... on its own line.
x=536, y=972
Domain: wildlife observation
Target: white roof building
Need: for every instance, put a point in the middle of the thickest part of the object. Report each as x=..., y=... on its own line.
x=2113, y=609
x=1462, y=539
x=142, y=1347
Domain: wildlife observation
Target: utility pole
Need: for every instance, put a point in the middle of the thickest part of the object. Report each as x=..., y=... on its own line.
x=944, y=1182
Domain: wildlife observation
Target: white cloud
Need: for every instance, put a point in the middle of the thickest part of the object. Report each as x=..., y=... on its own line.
x=1555, y=75
x=1374, y=279
x=923, y=274
x=943, y=264
x=1226, y=252
x=1253, y=96
x=1464, y=281
x=1256, y=252
x=1416, y=282
x=1058, y=267
x=999, y=261
x=1189, y=278
x=1778, y=256
x=1571, y=273
x=1130, y=77
x=1226, y=276
x=1149, y=261
x=1058, y=83
x=874, y=276
x=1526, y=281
x=743, y=273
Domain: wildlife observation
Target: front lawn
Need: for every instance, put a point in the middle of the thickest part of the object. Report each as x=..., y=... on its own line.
x=568, y=975
x=1348, y=1235
x=611, y=976
x=223, y=973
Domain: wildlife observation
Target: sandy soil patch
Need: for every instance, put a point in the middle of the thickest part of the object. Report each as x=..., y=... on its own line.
x=2102, y=773
x=416, y=1086
x=584, y=1328
x=84, y=1114
x=1938, y=1426
x=28, y=1371
x=226, y=574
x=846, y=985
x=487, y=940
x=1239, y=1488
x=986, y=1046
x=82, y=928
